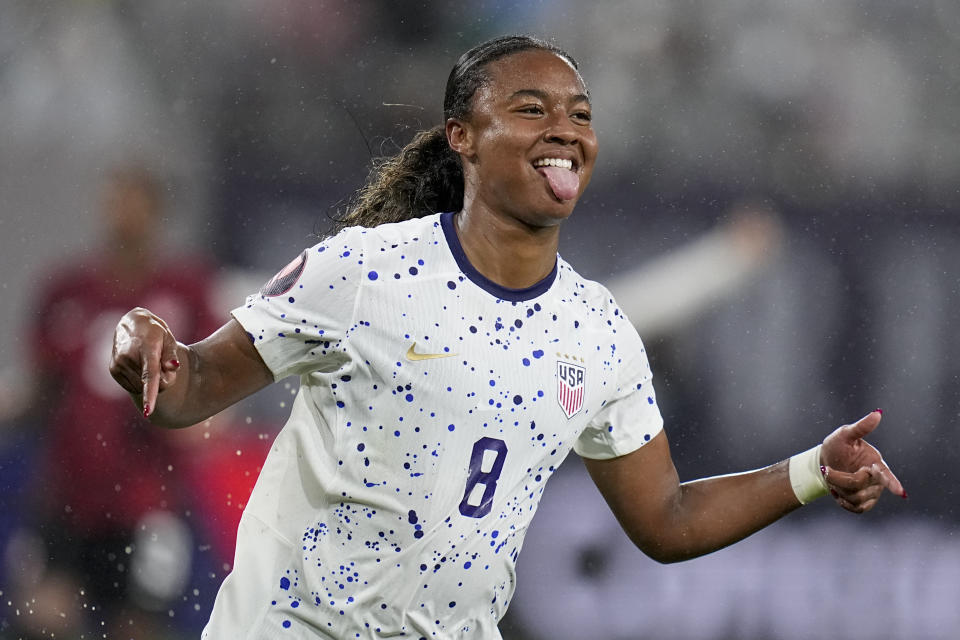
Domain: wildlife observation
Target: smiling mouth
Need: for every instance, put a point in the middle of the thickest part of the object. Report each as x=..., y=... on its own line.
x=561, y=175
x=554, y=162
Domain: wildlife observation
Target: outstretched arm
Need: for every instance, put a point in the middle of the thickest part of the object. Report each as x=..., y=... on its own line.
x=672, y=521
x=178, y=385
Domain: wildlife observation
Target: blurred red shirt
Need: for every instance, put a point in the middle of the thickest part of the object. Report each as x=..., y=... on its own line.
x=104, y=466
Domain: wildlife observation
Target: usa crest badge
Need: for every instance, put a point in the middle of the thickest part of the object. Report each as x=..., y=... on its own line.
x=570, y=387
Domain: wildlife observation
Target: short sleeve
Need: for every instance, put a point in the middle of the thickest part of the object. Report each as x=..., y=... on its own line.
x=300, y=319
x=630, y=418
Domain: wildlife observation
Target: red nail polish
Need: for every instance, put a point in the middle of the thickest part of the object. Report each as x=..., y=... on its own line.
x=823, y=471
x=146, y=410
x=175, y=363
x=904, y=496
x=880, y=411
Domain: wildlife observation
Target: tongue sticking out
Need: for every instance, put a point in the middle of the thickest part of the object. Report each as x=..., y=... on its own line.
x=563, y=182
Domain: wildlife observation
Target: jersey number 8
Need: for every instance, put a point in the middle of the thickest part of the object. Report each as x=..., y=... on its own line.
x=487, y=478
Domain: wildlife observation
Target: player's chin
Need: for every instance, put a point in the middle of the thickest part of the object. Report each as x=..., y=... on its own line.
x=556, y=209
x=549, y=217
x=542, y=210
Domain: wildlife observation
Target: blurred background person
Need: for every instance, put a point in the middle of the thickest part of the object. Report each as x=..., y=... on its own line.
x=106, y=493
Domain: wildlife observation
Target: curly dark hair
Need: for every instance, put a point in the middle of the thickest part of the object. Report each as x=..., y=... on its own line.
x=426, y=176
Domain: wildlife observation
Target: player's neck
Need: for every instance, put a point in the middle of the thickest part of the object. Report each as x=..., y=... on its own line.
x=506, y=251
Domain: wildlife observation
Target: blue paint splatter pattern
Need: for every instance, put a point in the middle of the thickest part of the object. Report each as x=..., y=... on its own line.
x=428, y=421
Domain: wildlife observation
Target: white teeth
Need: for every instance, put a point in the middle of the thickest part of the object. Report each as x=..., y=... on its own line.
x=554, y=162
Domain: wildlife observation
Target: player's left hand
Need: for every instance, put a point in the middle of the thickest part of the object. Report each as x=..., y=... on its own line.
x=855, y=471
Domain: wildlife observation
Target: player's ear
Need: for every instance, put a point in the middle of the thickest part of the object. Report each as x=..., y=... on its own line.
x=460, y=137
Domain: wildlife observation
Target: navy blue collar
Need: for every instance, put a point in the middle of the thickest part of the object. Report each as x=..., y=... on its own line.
x=491, y=287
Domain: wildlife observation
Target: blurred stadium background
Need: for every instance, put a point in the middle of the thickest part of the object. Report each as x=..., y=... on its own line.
x=836, y=121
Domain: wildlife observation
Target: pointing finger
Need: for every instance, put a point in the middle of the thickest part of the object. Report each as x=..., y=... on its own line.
x=864, y=477
x=150, y=375
x=888, y=479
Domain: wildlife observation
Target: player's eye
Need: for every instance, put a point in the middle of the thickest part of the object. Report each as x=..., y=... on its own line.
x=531, y=108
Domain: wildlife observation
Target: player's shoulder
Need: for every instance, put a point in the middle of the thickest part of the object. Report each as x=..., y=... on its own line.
x=416, y=232
x=581, y=287
x=385, y=237
x=591, y=296
x=405, y=246
x=352, y=250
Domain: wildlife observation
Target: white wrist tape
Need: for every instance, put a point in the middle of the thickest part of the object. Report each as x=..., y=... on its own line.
x=805, y=477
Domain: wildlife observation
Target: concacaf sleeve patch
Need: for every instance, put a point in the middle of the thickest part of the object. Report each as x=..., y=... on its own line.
x=286, y=278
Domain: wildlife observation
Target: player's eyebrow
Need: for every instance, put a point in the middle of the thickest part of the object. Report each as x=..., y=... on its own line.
x=542, y=95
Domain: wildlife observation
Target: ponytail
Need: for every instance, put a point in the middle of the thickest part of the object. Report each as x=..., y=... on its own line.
x=424, y=178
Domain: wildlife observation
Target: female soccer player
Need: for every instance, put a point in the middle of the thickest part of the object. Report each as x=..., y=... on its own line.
x=448, y=363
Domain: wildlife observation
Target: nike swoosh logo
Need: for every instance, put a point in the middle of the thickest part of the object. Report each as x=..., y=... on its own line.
x=413, y=356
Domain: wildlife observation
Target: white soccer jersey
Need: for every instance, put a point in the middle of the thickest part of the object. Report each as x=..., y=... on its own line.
x=433, y=406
